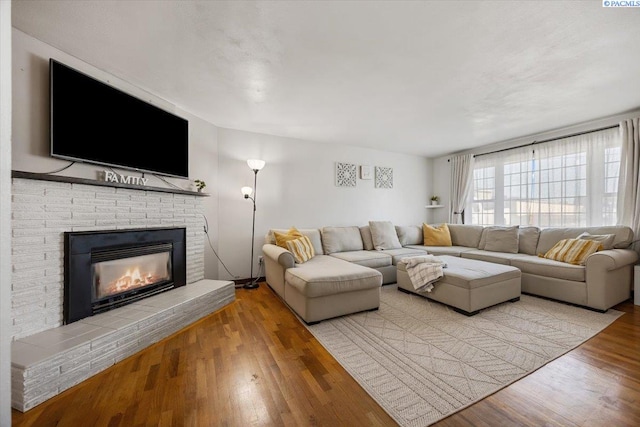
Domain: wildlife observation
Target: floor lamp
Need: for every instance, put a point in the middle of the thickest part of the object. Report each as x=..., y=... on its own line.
x=256, y=166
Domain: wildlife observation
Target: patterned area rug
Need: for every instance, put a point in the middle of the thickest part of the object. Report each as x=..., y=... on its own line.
x=422, y=361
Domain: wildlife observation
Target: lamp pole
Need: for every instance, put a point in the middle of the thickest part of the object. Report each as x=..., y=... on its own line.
x=252, y=284
x=255, y=165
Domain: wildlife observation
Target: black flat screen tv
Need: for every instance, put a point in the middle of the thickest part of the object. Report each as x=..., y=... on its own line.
x=96, y=123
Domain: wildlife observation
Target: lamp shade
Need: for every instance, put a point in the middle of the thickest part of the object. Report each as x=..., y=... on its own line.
x=246, y=191
x=255, y=164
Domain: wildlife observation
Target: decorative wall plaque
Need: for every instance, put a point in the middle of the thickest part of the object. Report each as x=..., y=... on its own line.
x=346, y=174
x=384, y=177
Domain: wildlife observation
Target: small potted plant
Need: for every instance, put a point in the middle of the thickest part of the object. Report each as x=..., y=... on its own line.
x=435, y=200
x=200, y=185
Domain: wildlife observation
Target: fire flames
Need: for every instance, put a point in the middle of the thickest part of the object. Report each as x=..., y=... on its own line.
x=131, y=279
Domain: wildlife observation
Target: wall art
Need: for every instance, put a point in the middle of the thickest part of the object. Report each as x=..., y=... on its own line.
x=384, y=177
x=365, y=172
x=346, y=174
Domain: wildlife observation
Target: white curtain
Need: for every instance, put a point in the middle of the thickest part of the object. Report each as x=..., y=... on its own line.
x=461, y=184
x=577, y=180
x=628, y=185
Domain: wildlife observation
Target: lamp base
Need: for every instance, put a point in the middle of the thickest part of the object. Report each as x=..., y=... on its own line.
x=251, y=285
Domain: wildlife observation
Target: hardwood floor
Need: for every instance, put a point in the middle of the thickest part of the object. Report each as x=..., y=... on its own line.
x=253, y=364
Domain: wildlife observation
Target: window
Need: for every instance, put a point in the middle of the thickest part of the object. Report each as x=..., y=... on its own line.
x=570, y=182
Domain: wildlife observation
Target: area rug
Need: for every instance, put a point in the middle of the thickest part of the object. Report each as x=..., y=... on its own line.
x=422, y=361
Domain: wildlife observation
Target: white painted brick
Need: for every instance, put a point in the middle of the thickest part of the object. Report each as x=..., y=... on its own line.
x=65, y=225
x=25, y=244
x=28, y=207
x=117, y=210
x=132, y=193
x=26, y=296
x=27, y=223
x=131, y=203
x=113, y=196
x=60, y=192
x=19, y=265
x=93, y=202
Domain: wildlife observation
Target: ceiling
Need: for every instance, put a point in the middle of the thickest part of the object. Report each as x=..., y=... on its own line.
x=419, y=77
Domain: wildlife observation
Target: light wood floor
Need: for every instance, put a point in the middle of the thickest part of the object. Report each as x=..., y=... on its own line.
x=253, y=364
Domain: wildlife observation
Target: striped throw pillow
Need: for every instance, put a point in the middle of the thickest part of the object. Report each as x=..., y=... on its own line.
x=301, y=248
x=572, y=251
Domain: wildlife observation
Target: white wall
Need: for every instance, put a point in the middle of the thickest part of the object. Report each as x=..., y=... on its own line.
x=297, y=188
x=5, y=213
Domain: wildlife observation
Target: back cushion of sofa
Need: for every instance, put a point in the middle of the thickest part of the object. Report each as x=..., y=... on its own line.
x=341, y=239
x=487, y=230
x=384, y=235
x=624, y=234
x=367, y=240
x=528, y=240
x=312, y=233
x=410, y=234
x=465, y=235
x=551, y=236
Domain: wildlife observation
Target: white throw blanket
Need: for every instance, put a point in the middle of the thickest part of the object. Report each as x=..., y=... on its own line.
x=424, y=271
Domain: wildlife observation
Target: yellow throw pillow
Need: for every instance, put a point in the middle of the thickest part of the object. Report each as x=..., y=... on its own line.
x=283, y=238
x=572, y=251
x=301, y=248
x=436, y=236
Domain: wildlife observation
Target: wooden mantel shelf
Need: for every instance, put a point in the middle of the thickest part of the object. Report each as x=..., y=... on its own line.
x=86, y=181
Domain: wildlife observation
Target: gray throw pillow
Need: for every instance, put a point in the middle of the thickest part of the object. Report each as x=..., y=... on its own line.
x=384, y=235
x=605, y=239
x=502, y=239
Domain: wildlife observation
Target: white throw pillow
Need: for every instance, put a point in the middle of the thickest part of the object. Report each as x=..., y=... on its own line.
x=384, y=236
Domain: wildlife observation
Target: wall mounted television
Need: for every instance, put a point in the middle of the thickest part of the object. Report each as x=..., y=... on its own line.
x=96, y=123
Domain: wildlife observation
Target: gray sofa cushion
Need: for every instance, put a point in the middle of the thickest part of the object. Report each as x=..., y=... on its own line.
x=373, y=259
x=341, y=239
x=465, y=235
x=410, y=234
x=494, y=257
x=398, y=254
x=605, y=239
x=503, y=234
x=442, y=250
x=326, y=275
x=384, y=235
x=501, y=239
x=367, y=241
x=550, y=268
x=528, y=240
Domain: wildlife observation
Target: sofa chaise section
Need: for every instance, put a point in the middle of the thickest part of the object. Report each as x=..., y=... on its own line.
x=328, y=287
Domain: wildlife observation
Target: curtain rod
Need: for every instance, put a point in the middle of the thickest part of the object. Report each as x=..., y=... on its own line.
x=548, y=140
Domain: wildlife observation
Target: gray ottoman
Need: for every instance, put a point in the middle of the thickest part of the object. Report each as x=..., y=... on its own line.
x=468, y=285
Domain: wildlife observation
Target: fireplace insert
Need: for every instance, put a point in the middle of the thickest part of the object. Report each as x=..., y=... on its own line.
x=104, y=270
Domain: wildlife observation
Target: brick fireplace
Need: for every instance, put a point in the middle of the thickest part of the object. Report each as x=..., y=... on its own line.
x=51, y=353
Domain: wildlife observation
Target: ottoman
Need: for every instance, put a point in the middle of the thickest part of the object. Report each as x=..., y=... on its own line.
x=468, y=285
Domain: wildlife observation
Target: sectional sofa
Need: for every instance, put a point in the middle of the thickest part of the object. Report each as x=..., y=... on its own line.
x=349, y=265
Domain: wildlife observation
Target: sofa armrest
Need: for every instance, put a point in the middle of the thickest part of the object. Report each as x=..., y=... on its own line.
x=611, y=259
x=277, y=261
x=278, y=254
x=608, y=277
